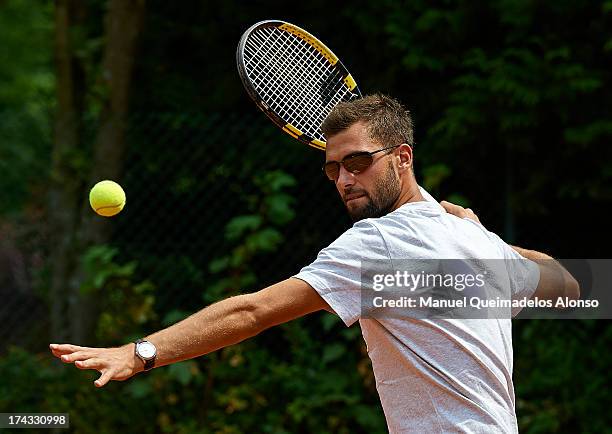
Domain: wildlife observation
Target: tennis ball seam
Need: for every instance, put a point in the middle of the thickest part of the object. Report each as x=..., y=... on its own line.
x=109, y=206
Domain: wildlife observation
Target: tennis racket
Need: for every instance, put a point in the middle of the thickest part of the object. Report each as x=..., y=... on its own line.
x=293, y=77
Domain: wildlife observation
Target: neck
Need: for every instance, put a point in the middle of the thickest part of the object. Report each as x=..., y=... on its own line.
x=410, y=193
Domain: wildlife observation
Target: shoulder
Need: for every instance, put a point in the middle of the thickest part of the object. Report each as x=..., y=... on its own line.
x=362, y=240
x=364, y=232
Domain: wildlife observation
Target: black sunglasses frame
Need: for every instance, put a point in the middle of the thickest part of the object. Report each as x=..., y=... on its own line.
x=349, y=157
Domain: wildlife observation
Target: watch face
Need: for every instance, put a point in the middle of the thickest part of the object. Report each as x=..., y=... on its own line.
x=146, y=350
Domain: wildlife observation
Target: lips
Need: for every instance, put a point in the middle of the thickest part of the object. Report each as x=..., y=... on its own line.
x=350, y=197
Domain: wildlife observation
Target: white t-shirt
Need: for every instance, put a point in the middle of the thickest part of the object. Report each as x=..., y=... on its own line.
x=432, y=375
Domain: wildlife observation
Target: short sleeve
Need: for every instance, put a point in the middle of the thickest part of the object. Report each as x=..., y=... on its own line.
x=336, y=272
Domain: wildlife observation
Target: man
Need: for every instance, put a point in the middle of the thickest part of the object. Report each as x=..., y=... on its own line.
x=432, y=375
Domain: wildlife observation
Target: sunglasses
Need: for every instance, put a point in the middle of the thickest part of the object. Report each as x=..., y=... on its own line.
x=354, y=163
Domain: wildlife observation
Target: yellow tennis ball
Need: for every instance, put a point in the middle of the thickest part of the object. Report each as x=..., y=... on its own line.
x=107, y=198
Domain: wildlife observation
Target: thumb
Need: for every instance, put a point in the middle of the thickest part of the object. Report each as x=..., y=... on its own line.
x=104, y=378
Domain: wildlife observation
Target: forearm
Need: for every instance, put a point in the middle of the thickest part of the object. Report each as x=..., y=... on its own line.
x=555, y=280
x=222, y=324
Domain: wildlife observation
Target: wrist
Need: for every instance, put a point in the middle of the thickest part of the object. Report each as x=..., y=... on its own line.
x=135, y=363
x=147, y=352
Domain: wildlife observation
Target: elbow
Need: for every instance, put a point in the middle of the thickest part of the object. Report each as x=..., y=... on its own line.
x=572, y=287
x=253, y=315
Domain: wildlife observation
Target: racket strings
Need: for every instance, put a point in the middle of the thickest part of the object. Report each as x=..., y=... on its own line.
x=297, y=94
x=293, y=78
x=289, y=95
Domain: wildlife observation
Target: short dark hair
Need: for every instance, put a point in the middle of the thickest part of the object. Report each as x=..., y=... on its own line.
x=387, y=120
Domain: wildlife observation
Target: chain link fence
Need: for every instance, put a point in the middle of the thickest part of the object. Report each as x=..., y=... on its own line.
x=185, y=176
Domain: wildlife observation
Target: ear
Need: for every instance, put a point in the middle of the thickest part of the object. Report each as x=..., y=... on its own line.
x=405, y=157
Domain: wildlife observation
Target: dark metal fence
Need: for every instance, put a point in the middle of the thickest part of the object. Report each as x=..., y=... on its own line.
x=185, y=176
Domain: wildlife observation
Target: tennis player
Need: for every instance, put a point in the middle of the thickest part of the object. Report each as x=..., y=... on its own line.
x=432, y=375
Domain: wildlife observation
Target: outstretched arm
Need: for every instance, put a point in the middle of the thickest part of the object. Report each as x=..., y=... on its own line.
x=224, y=323
x=555, y=280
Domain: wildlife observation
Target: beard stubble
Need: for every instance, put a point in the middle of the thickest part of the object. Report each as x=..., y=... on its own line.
x=380, y=202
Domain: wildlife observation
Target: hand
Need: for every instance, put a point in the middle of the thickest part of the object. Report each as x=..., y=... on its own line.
x=459, y=211
x=113, y=363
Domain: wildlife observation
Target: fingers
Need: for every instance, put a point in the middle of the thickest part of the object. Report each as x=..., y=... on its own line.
x=459, y=211
x=85, y=359
x=112, y=363
x=79, y=355
x=472, y=215
x=106, y=376
x=90, y=364
x=451, y=208
x=60, y=349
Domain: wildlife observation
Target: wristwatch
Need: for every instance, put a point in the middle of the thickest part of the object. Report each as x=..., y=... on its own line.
x=146, y=352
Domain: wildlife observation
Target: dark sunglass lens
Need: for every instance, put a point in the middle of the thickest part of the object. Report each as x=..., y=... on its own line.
x=358, y=163
x=332, y=170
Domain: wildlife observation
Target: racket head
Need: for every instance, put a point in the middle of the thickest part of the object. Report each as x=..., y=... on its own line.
x=293, y=77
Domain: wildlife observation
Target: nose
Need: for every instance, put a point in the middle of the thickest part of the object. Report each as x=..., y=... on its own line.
x=345, y=178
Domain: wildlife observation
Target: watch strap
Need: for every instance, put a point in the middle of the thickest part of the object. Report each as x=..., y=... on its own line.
x=149, y=364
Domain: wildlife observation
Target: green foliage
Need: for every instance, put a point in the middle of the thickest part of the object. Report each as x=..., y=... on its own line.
x=35, y=383
x=509, y=92
x=26, y=90
x=25, y=71
x=253, y=234
x=123, y=304
x=99, y=268
x=239, y=225
x=434, y=175
x=567, y=389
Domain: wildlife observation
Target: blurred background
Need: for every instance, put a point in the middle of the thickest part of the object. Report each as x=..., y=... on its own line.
x=511, y=101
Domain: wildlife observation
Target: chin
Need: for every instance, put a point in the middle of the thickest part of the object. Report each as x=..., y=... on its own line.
x=357, y=213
